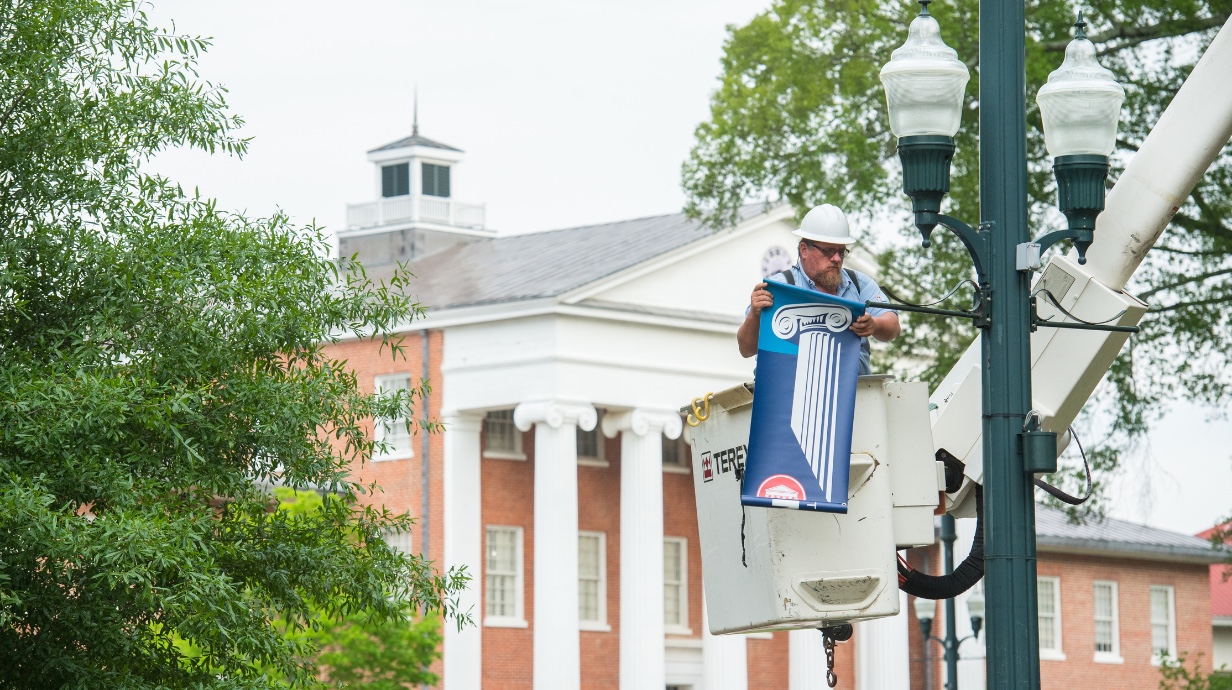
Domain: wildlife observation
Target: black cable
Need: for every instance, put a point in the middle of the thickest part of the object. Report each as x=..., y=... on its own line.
x=896, y=298
x=1061, y=495
x=1056, y=303
x=964, y=576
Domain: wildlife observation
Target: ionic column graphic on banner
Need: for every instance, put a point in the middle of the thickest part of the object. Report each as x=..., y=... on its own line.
x=803, y=402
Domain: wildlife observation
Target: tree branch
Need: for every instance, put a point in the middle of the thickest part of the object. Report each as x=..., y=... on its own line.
x=1191, y=279
x=1134, y=35
x=1193, y=303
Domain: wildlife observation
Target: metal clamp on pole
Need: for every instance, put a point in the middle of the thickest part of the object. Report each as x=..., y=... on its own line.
x=1039, y=447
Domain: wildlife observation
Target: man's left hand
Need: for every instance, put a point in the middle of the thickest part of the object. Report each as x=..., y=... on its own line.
x=863, y=326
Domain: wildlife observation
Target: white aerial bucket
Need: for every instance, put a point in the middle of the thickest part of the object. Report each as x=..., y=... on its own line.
x=779, y=569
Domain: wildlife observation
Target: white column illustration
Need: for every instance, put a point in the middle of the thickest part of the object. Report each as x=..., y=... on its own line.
x=557, y=652
x=806, y=660
x=725, y=659
x=813, y=410
x=642, y=656
x=464, y=545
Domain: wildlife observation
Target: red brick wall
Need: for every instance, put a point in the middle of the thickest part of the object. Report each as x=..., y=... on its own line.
x=599, y=511
x=767, y=662
x=508, y=499
x=400, y=481
x=925, y=560
x=1134, y=579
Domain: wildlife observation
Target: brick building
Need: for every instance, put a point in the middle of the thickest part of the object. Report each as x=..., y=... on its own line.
x=1221, y=609
x=1112, y=596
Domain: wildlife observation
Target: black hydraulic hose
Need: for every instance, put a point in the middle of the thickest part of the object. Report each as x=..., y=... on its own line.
x=964, y=576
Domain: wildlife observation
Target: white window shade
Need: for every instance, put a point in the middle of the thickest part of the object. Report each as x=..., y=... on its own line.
x=1049, y=610
x=675, y=585
x=393, y=434
x=592, y=581
x=503, y=577
x=1163, y=623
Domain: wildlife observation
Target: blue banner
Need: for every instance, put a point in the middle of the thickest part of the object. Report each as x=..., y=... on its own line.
x=804, y=399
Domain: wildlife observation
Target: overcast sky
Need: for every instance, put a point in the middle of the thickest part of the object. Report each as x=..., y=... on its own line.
x=571, y=112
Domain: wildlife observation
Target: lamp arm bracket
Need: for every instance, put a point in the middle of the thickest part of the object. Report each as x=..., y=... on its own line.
x=976, y=241
x=1053, y=237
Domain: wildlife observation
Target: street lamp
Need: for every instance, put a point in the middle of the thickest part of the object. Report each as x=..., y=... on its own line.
x=1080, y=105
x=924, y=82
x=926, y=611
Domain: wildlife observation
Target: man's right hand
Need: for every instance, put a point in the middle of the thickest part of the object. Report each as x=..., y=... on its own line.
x=760, y=299
x=746, y=335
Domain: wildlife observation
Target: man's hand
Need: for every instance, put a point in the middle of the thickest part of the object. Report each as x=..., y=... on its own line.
x=760, y=299
x=746, y=335
x=884, y=327
x=863, y=326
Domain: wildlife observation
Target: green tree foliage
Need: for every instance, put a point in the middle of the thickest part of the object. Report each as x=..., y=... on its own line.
x=360, y=650
x=161, y=367
x=1175, y=675
x=799, y=116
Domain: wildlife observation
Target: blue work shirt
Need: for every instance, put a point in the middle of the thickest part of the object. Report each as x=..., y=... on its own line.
x=849, y=290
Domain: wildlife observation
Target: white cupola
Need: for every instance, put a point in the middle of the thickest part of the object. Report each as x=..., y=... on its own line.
x=415, y=212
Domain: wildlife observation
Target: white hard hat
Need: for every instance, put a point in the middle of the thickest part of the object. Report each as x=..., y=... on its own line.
x=825, y=223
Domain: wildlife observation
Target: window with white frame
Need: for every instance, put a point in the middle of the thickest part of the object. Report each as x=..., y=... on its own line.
x=399, y=540
x=1049, y=597
x=503, y=577
x=1163, y=623
x=676, y=455
x=393, y=434
x=1107, y=626
x=501, y=436
x=675, y=584
x=592, y=581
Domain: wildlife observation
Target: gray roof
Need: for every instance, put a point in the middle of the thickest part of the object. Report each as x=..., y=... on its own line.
x=549, y=264
x=1054, y=532
x=414, y=140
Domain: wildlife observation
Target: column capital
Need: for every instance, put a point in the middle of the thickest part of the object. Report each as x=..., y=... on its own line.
x=555, y=413
x=462, y=421
x=643, y=421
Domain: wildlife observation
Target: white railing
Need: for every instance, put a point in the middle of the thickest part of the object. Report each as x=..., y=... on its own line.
x=415, y=207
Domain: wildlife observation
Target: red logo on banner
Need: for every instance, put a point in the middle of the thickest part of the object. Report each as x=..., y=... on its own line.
x=781, y=486
x=707, y=467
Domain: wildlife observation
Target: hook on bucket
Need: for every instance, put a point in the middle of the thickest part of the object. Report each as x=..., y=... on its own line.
x=699, y=414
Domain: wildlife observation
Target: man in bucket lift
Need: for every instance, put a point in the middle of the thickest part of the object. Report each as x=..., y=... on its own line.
x=824, y=236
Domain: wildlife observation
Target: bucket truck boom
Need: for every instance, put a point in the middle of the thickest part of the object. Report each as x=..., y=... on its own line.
x=1066, y=365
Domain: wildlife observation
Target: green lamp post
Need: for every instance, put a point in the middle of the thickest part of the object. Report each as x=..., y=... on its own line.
x=924, y=83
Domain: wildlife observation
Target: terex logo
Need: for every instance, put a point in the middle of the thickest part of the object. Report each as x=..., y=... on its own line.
x=723, y=461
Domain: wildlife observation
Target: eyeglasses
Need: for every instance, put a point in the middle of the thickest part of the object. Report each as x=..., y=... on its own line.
x=832, y=252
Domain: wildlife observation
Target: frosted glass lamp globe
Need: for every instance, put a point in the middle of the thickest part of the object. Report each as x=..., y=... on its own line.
x=1080, y=104
x=924, y=83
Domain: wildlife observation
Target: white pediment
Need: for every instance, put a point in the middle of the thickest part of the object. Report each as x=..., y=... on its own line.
x=713, y=277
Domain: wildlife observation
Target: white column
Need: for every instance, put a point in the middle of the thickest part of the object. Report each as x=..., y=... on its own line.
x=725, y=660
x=642, y=656
x=557, y=663
x=806, y=660
x=464, y=545
x=882, y=656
